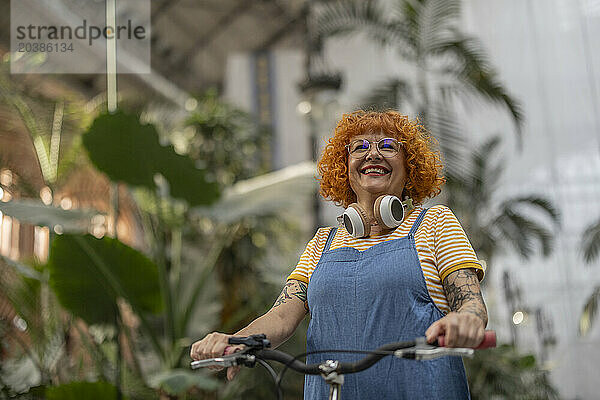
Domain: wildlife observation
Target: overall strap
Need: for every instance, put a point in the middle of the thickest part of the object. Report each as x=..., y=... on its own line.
x=416, y=224
x=330, y=239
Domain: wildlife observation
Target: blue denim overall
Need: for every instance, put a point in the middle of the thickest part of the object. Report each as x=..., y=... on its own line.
x=364, y=299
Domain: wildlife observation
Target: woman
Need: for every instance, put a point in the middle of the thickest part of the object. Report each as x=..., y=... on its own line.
x=388, y=274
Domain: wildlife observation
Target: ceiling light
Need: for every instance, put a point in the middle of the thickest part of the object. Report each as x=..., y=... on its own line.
x=304, y=107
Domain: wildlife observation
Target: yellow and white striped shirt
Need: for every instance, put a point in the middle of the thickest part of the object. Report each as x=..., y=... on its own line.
x=442, y=247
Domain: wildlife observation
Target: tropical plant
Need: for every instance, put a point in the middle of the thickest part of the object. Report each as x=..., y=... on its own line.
x=491, y=225
x=53, y=124
x=247, y=271
x=44, y=347
x=242, y=226
x=226, y=140
x=591, y=251
x=165, y=185
x=34, y=336
x=440, y=65
x=38, y=340
x=193, y=250
x=591, y=242
x=105, y=282
x=444, y=62
x=491, y=228
x=95, y=279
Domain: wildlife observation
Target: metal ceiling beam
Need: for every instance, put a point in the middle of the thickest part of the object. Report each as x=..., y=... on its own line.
x=222, y=23
x=282, y=32
x=162, y=9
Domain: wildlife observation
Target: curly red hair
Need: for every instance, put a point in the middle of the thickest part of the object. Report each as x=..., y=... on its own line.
x=423, y=160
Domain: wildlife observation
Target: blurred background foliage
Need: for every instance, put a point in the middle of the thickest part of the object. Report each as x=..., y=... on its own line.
x=492, y=376
x=205, y=274
x=102, y=310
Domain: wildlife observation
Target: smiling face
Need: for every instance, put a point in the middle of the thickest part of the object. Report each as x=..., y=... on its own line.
x=374, y=175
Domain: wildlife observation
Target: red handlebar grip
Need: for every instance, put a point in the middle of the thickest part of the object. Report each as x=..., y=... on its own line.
x=489, y=341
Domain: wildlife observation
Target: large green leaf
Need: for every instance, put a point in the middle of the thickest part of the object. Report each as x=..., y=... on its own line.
x=82, y=390
x=37, y=213
x=127, y=151
x=178, y=381
x=185, y=180
x=123, y=148
x=88, y=275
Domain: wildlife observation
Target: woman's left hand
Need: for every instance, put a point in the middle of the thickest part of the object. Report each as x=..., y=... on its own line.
x=461, y=329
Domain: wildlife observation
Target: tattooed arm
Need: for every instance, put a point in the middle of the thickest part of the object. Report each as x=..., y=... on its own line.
x=279, y=323
x=464, y=294
x=293, y=289
x=465, y=325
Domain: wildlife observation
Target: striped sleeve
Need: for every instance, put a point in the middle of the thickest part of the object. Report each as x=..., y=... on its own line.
x=452, y=249
x=311, y=256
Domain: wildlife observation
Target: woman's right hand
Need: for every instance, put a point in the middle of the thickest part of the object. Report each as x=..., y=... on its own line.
x=215, y=345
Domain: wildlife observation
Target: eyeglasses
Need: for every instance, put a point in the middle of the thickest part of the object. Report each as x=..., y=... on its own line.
x=387, y=147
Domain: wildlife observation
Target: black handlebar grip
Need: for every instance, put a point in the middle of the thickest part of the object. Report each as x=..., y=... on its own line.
x=259, y=341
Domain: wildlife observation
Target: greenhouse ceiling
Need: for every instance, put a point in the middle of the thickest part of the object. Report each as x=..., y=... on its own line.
x=191, y=39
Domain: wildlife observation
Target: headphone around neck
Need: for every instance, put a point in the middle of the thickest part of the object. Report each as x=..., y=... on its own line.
x=388, y=210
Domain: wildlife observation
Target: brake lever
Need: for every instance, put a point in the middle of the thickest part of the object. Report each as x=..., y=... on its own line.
x=252, y=342
x=231, y=360
x=424, y=351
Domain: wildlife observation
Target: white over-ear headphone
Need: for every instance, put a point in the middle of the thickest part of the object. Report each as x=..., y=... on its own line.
x=388, y=210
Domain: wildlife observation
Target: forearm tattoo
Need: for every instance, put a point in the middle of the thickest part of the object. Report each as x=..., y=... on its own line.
x=293, y=288
x=463, y=293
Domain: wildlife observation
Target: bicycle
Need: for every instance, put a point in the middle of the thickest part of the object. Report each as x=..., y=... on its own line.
x=333, y=371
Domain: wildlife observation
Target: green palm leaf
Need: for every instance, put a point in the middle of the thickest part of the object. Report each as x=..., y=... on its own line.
x=386, y=95
x=540, y=204
x=485, y=175
x=446, y=128
x=518, y=230
x=23, y=269
x=425, y=33
x=478, y=78
x=589, y=312
x=512, y=228
x=341, y=17
x=435, y=22
x=510, y=222
x=591, y=242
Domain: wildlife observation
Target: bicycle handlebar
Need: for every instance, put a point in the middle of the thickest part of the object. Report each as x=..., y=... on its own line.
x=243, y=358
x=342, y=368
x=415, y=349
